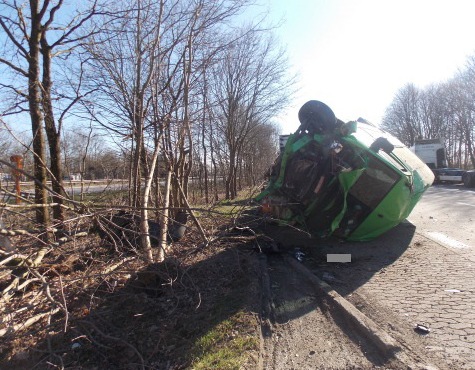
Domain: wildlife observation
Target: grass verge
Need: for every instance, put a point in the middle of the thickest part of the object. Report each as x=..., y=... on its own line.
x=225, y=346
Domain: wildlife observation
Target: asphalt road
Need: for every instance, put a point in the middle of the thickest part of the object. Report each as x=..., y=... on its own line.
x=446, y=214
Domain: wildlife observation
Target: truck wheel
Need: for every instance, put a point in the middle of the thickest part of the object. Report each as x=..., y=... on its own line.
x=316, y=118
x=468, y=180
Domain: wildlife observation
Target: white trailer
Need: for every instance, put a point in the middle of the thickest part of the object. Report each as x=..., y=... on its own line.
x=432, y=152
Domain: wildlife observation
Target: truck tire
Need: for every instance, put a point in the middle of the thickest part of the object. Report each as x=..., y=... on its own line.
x=316, y=118
x=469, y=179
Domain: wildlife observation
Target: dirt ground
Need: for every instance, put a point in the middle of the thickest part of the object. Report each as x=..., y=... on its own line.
x=201, y=302
x=99, y=306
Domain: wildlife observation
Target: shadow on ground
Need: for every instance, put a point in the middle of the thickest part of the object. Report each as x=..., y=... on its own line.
x=367, y=258
x=294, y=298
x=160, y=318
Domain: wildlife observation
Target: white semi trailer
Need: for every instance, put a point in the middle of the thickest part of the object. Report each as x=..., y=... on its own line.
x=432, y=153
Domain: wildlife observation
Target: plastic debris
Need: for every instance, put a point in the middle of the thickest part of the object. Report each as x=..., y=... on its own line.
x=422, y=329
x=453, y=290
x=328, y=277
x=299, y=255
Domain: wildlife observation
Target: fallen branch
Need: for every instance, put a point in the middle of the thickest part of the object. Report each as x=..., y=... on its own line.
x=16, y=256
x=68, y=238
x=13, y=329
x=10, y=290
x=15, y=286
x=29, y=206
x=24, y=231
x=115, y=266
x=47, y=291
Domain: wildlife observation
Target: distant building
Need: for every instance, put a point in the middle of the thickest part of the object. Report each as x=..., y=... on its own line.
x=73, y=177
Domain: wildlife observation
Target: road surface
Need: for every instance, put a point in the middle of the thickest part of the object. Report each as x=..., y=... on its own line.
x=446, y=214
x=419, y=273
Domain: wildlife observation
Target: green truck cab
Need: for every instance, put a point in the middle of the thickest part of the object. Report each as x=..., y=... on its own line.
x=351, y=180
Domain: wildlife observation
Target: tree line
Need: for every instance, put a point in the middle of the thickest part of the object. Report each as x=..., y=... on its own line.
x=176, y=88
x=443, y=110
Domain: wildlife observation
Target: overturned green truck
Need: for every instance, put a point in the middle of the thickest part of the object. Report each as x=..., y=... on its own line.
x=350, y=180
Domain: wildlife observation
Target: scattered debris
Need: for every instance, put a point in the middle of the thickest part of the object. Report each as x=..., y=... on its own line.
x=422, y=329
x=328, y=277
x=261, y=243
x=453, y=290
x=299, y=255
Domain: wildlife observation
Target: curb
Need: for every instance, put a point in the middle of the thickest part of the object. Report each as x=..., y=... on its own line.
x=367, y=327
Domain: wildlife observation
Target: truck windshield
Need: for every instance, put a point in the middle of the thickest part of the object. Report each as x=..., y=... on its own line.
x=367, y=134
x=401, y=157
x=375, y=182
x=413, y=162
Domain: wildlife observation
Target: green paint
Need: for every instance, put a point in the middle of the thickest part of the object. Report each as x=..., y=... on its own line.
x=405, y=184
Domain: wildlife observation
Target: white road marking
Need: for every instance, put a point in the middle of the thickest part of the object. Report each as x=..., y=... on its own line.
x=444, y=239
x=466, y=204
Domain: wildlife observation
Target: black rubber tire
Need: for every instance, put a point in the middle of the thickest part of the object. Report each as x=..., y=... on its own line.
x=316, y=118
x=468, y=180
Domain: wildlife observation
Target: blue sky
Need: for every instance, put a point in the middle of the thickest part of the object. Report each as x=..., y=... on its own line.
x=355, y=54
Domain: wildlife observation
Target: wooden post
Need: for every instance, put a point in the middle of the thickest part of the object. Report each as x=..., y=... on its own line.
x=18, y=160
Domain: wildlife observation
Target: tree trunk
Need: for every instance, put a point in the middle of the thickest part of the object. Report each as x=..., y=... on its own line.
x=205, y=163
x=230, y=176
x=136, y=168
x=53, y=134
x=42, y=215
x=144, y=228
x=164, y=219
x=215, y=166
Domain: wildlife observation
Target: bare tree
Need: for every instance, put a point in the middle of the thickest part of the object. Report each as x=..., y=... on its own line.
x=402, y=116
x=25, y=46
x=252, y=85
x=259, y=153
x=465, y=81
x=145, y=69
x=34, y=38
x=442, y=111
x=433, y=111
